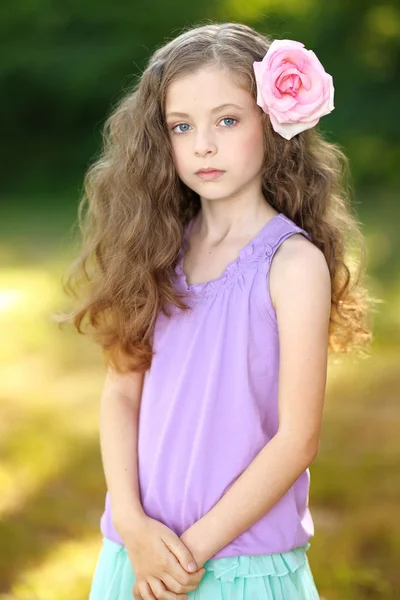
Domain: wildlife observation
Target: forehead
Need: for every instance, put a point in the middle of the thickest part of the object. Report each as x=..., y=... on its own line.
x=206, y=88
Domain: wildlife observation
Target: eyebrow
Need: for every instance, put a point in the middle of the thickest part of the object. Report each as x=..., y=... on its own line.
x=214, y=110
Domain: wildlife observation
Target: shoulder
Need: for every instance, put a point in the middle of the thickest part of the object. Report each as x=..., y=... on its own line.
x=299, y=265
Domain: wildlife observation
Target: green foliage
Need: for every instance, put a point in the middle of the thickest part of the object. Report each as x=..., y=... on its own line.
x=64, y=64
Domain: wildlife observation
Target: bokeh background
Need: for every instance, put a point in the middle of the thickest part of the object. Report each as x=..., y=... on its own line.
x=63, y=66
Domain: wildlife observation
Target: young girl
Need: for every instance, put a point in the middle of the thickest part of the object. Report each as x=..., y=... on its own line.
x=217, y=232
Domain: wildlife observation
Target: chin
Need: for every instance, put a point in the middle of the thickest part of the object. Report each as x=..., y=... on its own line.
x=213, y=197
x=212, y=190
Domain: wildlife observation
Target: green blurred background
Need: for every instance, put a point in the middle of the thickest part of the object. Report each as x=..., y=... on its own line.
x=63, y=66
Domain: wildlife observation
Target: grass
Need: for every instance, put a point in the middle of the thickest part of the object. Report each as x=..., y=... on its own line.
x=51, y=476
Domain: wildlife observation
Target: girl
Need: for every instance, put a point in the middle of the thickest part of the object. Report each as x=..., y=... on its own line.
x=217, y=231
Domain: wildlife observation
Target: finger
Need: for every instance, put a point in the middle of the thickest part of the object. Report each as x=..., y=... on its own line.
x=181, y=552
x=174, y=568
x=178, y=587
x=135, y=592
x=145, y=591
x=136, y=595
x=161, y=592
x=189, y=580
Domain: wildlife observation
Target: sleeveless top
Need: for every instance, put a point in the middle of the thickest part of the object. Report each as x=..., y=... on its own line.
x=210, y=402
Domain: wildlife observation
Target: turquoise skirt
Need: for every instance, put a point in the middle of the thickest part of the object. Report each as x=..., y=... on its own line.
x=285, y=576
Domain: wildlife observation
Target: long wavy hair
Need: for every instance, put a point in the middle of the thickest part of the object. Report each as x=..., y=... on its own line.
x=134, y=208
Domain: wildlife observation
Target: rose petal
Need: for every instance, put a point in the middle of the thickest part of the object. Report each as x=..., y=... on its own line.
x=281, y=45
x=313, y=61
x=273, y=97
x=289, y=130
x=331, y=93
x=257, y=66
x=286, y=80
x=290, y=60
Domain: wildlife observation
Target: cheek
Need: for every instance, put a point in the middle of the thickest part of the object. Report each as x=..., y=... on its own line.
x=251, y=150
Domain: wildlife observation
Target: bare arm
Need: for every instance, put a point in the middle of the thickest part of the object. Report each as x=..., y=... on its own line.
x=158, y=557
x=119, y=414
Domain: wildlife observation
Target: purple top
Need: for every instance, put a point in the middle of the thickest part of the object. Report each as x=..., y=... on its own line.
x=210, y=402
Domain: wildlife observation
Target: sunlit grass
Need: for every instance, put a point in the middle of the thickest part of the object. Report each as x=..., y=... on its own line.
x=51, y=479
x=64, y=572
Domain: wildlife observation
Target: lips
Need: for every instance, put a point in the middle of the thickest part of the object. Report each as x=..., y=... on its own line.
x=209, y=174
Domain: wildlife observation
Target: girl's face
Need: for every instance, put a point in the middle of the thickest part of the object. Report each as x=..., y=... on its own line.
x=214, y=123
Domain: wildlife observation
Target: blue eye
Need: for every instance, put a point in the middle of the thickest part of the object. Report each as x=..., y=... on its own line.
x=180, y=125
x=229, y=119
x=181, y=131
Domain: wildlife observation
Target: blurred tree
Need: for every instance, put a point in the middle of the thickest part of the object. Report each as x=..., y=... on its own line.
x=64, y=64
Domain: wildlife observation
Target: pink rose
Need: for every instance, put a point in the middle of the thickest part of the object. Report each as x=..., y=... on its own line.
x=293, y=87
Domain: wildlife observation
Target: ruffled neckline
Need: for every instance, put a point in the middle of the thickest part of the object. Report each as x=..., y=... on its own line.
x=250, y=252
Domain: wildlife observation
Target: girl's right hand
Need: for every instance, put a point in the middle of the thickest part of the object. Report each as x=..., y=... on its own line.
x=160, y=573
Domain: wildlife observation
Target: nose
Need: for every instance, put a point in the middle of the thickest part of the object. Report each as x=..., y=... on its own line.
x=204, y=143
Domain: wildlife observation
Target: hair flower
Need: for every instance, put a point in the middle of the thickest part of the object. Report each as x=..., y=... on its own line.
x=292, y=87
